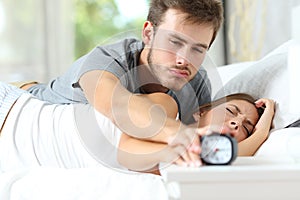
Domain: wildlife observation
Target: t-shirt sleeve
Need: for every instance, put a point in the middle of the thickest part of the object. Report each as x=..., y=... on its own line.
x=99, y=59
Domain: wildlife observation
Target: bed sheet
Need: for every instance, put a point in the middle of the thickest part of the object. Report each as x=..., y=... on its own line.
x=81, y=184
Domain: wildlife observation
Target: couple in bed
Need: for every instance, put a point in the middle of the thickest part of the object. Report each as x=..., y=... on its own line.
x=116, y=89
x=37, y=133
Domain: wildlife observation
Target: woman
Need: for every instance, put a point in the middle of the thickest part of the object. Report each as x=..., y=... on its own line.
x=249, y=121
x=35, y=133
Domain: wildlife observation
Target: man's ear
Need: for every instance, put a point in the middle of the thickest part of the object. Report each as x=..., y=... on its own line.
x=147, y=33
x=196, y=116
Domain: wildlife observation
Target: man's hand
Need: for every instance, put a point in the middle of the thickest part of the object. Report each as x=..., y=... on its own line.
x=185, y=146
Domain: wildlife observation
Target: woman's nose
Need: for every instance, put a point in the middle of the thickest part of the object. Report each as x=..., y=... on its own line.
x=233, y=125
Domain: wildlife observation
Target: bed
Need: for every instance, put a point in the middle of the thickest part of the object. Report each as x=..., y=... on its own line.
x=278, y=159
x=274, y=171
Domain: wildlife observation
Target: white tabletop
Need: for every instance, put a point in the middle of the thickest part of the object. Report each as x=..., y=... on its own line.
x=246, y=178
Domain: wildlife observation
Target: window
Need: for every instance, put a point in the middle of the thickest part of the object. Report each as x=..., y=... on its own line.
x=103, y=21
x=36, y=39
x=40, y=39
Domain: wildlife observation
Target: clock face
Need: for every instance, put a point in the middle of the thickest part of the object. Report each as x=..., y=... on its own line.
x=217, y=149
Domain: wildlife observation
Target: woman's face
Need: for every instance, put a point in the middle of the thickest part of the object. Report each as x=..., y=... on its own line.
x=236, y=117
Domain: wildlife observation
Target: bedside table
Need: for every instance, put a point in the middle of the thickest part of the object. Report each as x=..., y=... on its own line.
x=247, y=178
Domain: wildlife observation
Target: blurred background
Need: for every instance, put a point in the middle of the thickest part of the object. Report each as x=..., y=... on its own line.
x=39, y=39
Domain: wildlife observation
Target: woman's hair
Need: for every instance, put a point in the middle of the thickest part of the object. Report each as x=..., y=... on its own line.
x=236, y=96
x=198, y=11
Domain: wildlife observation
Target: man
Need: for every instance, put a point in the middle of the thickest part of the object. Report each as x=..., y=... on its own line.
x=175, y=39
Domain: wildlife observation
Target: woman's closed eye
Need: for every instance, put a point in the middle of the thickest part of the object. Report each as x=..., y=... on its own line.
x=247, y=130
x=249, y=127
x=235, y=112
x=230, y=111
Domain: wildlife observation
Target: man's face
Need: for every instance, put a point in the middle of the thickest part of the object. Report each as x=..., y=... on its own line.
x=178, y=49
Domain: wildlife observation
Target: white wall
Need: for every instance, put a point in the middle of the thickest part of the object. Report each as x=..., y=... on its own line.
x=295, y=22
x=216, y=53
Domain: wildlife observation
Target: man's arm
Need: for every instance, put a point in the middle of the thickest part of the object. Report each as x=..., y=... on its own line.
x=145, y=156
x=134, y=114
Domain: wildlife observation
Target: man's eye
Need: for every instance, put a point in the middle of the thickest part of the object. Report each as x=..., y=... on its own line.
x=198, y=50
x=174, y=42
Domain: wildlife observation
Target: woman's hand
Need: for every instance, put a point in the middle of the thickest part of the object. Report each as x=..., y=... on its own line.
x=267, y=104
x=269, y=110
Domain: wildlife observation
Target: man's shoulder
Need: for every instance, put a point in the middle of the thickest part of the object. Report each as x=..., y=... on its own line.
x=125, y=44
x=201, y=82
x=124, y=52
x=201, y=76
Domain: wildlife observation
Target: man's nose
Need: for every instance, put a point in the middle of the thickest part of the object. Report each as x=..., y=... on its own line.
x=182, y=57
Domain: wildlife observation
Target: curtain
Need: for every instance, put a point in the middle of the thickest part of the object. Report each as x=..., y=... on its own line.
x=36, y=39
x=256, y=27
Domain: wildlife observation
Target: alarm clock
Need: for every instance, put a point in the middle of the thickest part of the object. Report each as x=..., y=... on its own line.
x=218, y=149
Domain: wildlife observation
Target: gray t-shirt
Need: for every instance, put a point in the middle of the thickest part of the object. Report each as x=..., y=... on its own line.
x=8, y=96
x=121, y=59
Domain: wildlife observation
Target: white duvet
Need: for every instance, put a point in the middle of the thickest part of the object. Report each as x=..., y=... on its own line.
x=107, y=184
x=103, y=183
x=81, y=184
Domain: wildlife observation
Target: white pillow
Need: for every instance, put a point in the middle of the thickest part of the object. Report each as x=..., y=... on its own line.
x=227, y=72
x=267, y=78
x=282, y=143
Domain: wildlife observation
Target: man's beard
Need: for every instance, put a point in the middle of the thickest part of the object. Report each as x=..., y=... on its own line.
x=154, y=73
x=157, y=75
